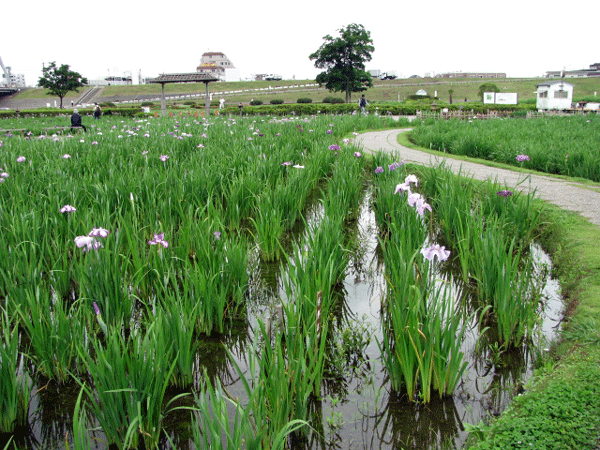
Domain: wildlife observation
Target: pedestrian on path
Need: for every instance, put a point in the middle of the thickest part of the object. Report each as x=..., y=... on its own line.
x=97, y=111
x=363, y=104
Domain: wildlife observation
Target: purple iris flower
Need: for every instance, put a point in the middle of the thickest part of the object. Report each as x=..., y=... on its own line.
x=334, y=147
x=521, y=158
x=395, y=165
x=67, y=209
x=87, y=243
x=99, y=232
x=411, y=179
x=421, y=206
x=432, y=251
x=402, y=187
x=159, y=239
x=379, y=169
x=504, y=193
x=163, y=158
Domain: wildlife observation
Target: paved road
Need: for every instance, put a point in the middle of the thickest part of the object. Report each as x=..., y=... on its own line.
x=571, y=196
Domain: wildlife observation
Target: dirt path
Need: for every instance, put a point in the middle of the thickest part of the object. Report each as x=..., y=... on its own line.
x=582, y=199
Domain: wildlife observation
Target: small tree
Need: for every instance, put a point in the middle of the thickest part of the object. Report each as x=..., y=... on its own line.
x=60, y=80
x=343, y=59
x=487, y=87
x=450, y=92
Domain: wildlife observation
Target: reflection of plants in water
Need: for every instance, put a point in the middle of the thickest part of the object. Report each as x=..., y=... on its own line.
x=335, y=419
x=500, y=375
x=212, y=356
x=346, y=356
x=414, y=425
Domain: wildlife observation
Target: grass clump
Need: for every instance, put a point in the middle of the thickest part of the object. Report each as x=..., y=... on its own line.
x=560, y=412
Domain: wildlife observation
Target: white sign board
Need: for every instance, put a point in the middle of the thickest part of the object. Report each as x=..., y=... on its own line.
x=489, y=98
x=500, y=98
x=506, y=98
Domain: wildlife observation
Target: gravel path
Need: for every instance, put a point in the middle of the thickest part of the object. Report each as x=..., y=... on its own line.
x=582, y=199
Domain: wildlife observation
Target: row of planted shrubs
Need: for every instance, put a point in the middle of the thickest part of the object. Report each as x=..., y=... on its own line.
x=303, y=106
x=53, y=112
x=406, y=108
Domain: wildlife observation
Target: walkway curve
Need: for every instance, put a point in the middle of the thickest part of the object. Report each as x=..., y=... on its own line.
x=572, y=196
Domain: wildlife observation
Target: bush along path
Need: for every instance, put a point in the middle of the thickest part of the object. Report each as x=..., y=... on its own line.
x=559, y=408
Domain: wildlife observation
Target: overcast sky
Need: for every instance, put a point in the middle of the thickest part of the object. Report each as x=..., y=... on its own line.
x=522, y=38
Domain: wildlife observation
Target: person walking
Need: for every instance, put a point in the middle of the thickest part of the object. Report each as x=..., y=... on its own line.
x=363, y=104
x=97, y=111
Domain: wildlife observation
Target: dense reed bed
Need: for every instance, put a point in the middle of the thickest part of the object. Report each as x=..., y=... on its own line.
x=556, y=145
x=131, y=255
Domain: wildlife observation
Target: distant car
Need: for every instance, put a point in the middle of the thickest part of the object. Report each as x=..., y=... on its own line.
x=387, y=76
x=273, y=77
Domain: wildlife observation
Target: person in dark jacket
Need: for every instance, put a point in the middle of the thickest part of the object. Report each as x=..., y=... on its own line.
x=97, y=111
x=76, y=121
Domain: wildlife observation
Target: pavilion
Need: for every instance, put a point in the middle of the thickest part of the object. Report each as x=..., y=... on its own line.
x=183, y=78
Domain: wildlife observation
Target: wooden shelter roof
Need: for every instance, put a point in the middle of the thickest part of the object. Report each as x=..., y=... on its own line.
x=194, y=77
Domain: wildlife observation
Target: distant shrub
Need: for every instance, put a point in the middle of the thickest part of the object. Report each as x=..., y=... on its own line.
x=333, y=100
x=256, y=102
x=108, y=105
x=189, y=103
x=276, y=101
x=304, y=100
x=147, y=103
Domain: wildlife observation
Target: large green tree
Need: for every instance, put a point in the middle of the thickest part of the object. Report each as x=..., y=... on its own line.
x=343, y=59
x=487, y=87
x=60, y=80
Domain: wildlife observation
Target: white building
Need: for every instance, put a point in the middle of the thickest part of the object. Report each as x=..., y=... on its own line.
x=15, y=79
x=554, y=95
x=218, y=65
x=111, y=80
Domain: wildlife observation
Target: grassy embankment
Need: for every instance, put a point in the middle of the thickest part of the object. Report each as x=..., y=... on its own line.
x=390, y=90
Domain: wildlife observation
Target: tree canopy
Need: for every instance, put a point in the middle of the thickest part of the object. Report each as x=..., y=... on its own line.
x=343, y=59
x=60, y=80
x=487, y=87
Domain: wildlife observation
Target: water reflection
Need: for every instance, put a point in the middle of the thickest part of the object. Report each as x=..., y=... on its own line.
x=404, y=425
x=356, y=409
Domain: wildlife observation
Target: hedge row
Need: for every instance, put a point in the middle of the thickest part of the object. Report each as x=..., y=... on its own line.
x=392, y=108
x=402, y=109
x=51, y=112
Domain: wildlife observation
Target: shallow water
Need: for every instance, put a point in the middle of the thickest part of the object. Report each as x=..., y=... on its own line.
x=359, y=411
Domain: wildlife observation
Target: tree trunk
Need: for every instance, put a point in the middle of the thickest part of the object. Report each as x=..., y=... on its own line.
x=348, y=93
